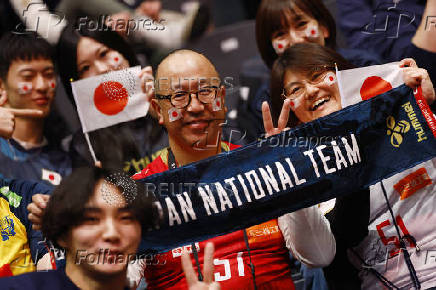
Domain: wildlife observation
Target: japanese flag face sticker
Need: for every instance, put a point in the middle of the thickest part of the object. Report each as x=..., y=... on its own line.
x=312, y=31
x=295, y=103
x=216, y=105
x=116, y=60
x=174, y=114
x=330, y=78
x=52, y=85
x=24, y=88
x=279, y=45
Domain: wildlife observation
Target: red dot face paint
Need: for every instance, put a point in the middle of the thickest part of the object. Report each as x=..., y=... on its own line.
x=292, y=104
x=175, y=114
x=331, y=78
x=116, y=58
x=280, y=46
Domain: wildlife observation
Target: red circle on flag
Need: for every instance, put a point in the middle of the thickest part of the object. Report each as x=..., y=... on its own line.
x=374, y=86
x=280, y=45
x=110, y=98
x=51, y=177
x=292, y=104
x=313, y=32
x=116, y=58
x=218, y=104
x=331, y=78
x=175, y=114
x=53, y=85
x=25, y=88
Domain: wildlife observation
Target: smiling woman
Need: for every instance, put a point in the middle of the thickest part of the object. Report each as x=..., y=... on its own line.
x=305, y=75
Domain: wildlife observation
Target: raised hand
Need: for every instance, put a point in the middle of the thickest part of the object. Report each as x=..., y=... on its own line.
x=283, y=119
x=208, y=269
x=414, y=76
x=36, y=209
x=7, y=119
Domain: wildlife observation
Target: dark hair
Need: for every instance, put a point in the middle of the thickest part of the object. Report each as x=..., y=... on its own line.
x=271, y=16
x=306, y=58
x=26, y=46
x=67, y=50
x=67, y=204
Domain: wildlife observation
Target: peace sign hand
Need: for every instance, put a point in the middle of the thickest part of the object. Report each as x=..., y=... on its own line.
x=283, y=118
x=208, y=268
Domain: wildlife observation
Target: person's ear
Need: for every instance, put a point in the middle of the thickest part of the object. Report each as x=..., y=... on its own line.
x=325, y=31
x=3, y=93
x=158, y=110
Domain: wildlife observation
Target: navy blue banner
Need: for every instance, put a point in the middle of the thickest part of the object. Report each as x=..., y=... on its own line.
x=331, y=156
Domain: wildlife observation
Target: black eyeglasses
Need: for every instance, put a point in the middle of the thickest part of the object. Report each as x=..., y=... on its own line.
x=182, y=99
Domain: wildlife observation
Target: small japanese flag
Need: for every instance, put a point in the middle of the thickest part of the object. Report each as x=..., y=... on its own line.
x=216, y=105
x=24, y=88
x=312, y=31
x=174, y=114
x=279, y=45
x=51, y=176
x=364, y=83
x=109, y=99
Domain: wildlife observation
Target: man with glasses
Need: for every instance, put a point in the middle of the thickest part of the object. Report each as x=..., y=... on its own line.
x=189, y=102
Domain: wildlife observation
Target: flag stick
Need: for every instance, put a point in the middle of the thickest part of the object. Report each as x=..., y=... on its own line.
x=91, y=150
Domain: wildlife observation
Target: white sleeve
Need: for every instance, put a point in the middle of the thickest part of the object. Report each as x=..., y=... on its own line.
x=135, y=272
x=308, y=236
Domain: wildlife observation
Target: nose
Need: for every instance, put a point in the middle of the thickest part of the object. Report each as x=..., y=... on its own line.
x=296, y=37
x=102, y=67
x=195, y=105
x=40, y=83
x=311, y=90
x=110, y=231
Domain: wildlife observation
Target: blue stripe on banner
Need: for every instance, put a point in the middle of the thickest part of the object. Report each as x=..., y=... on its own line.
x=331, y=156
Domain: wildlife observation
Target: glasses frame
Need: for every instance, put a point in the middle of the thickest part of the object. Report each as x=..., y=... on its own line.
x=169, y=97
x=305, y=82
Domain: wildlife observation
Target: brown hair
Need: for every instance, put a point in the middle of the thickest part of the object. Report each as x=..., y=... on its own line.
x=271, y=16
x=306, y=58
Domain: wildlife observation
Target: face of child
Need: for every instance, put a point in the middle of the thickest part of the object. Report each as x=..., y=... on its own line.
x=298, y=27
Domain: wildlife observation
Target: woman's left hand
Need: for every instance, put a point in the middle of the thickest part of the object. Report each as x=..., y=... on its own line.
x=414, y=76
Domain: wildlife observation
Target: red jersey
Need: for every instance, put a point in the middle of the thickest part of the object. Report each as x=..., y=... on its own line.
x=268, y=253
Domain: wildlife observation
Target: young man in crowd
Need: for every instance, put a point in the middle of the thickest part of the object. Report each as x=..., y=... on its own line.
x=27, y=90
